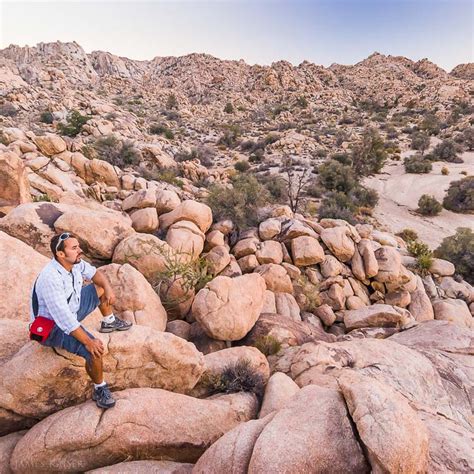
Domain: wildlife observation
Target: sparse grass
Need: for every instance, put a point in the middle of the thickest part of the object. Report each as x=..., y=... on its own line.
x=239, y=377
x=267, y=345
x=423, y=254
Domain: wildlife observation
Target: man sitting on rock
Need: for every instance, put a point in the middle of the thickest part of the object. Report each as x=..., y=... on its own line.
x=59, y=295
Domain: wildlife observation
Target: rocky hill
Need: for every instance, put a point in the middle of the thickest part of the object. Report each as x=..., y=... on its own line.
x=267, y=336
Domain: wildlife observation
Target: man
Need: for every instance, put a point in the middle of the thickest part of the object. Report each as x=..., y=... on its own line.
x=62, y=297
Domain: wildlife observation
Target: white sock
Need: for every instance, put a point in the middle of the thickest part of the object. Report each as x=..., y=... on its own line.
x=97, y=385
x=109, y=319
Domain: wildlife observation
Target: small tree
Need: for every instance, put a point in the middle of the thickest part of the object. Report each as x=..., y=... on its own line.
x=420, y=141
x=429, y=206
x=459, y=249
x=369, y=155
x=296, y=182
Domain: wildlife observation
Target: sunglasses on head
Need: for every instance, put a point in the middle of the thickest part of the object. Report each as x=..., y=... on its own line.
x=64, y=236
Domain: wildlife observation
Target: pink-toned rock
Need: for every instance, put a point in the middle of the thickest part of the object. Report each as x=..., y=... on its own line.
x=215, y=238
x=278, y=391
x=339, y=243
x=354, y=302
x=306, y=251
x=326, y=314
x=179, y=328
x=442, y=267
x=452, y=310
x=186, y=239
x=390, y=265
x=147, y=253
x=275, y=277
x=166, y=201
x=287, y=306
x=144, y=423
x=398, y=298
x=269, y=228
x=269, y=304
x=269, y=251
x=331, y=266
x=7, y=445
x=245, y=247
x=371, y=265
x=140, y=200
x=141, y=357
x=217, y=259
x=101, y=171
x=227, y=308
x=50, y=144
x=248, y=263
x=394, y=436
x=14, y=184
x=13, y=336
x=196, y=212
x=20, y=264
x=98, y=232
x=149, y=467
x=136, y=301
x=145, y=220
x=377, y=315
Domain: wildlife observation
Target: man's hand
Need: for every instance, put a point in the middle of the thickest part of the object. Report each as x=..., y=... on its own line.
x=109, y=295
x=95, y=347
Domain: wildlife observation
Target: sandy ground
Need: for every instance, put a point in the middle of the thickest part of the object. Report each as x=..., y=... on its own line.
x=399, y=193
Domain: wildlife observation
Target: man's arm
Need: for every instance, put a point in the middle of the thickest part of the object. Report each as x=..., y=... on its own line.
x=100, y=279
x=94, y=346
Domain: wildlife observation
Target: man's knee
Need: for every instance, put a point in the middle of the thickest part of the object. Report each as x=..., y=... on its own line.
x=100, y=292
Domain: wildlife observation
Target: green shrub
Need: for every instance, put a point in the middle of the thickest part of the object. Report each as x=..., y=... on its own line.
x=429, y=205
x=229, y=108
x=267, y=345
x=467, y=138
x=369, y=155
x=459, y=249
x=242, y=166
x=276, y=186
x=447, y=151
x=239, y=203
x=335, y=176
x=231, y=136
x=314, y=189
x=74, y=123
x=42, y=198
x=46, y=117
x=460, y=195
x=431, y=124
x=337, y=205
x=420, y=141
x=364, y=197
x=160, y=129
x=238, y=377
x=416, y=164
x=408, y=235
x=116, y=152
x=423, y=254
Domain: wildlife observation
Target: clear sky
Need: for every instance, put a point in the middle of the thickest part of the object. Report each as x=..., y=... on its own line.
x=258, y=31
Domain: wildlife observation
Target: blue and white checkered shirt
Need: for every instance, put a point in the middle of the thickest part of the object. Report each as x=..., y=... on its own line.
x=54, y=286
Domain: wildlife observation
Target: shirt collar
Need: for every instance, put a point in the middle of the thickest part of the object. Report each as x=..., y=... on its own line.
x=59, y=267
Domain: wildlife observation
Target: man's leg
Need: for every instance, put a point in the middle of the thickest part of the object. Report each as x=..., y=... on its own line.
x=110, y=322
x=95, y=369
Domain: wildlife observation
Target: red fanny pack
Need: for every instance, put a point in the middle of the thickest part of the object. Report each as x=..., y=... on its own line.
x=40, y=328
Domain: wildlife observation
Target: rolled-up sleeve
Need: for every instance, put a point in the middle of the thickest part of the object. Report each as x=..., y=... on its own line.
x=56, y=302
x=87, y=270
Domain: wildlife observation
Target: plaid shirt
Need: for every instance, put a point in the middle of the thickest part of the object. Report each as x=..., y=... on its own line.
x=54, y=286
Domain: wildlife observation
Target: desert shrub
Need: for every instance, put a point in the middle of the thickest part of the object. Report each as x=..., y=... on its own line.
x=447, y=151
x=369, y=155
x=239, y=203
x=276, y=186
x=444, y=171
x=116, y=152
x=46, y=117
x=408, y=235
x=229, y=108
x=7, y=109
x=364, y=197
x=167, y=175
x=459, y=249
x=160, y=129
x=314, y=189
x=267, y=345
x=302, y=102
x=242, y=166
x=74, y=123
x=430, y=124
x=343, y=158
x=417, y=164
x=423, y=254
x=230, y=136
x=337, y=205
x=42, y=198
x=420, y=141
x=460, y=195
x=171, y=115
x=467, y=138
x=238, y=377
x=429, y=205
x=171, y=102
x=335, y=176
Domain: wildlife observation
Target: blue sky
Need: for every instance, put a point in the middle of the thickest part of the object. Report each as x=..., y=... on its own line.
x=260, y=31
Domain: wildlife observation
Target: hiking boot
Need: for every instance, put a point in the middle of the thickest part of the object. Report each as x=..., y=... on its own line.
x=103, y=397
x=116, y=325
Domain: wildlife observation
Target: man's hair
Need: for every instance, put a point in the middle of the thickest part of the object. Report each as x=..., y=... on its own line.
x=60, y=246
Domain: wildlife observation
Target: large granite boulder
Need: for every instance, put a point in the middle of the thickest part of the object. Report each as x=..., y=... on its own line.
x=145, y=423
x=13, y=336
x=227, y=308
x=39, y=380
x=377, y=315
x=14, y=185
x=193, y=211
